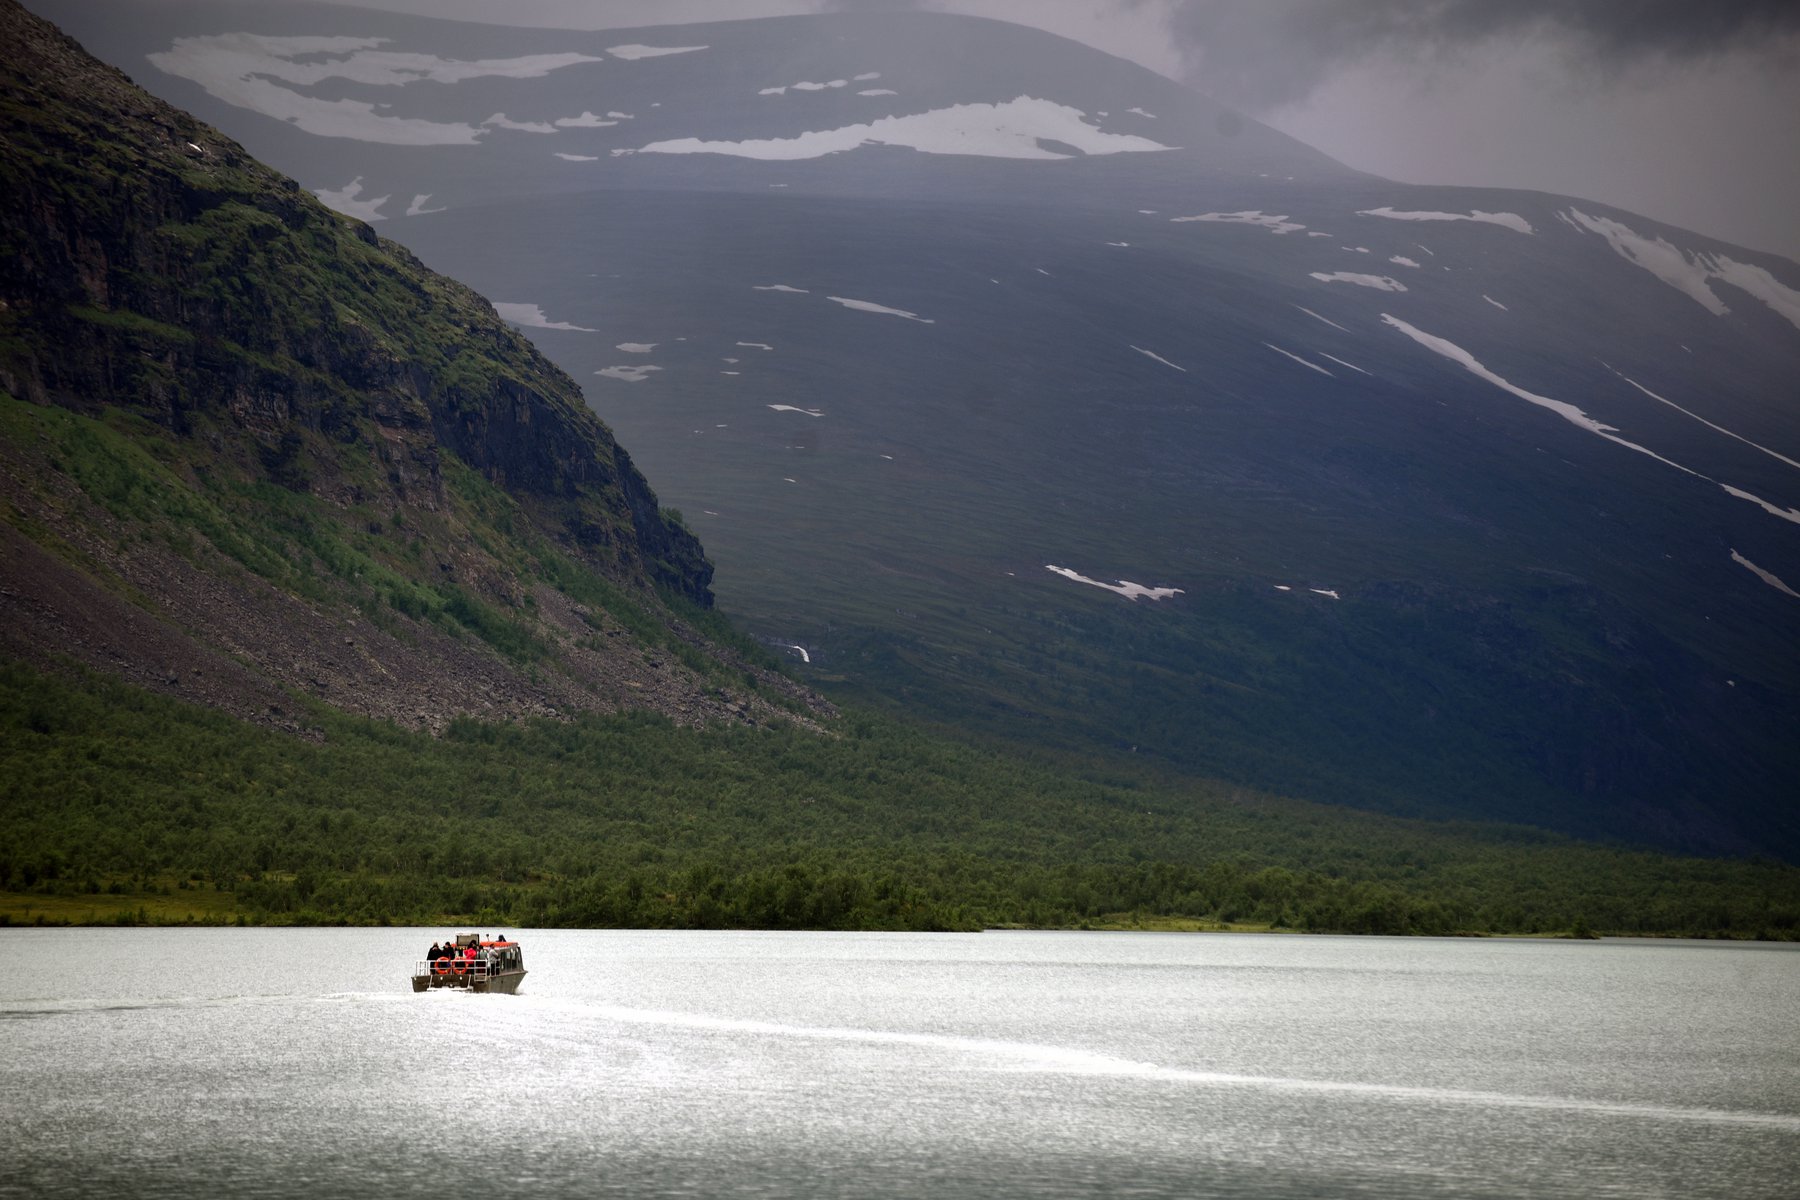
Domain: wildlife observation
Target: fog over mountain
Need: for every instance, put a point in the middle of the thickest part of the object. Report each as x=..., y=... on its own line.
x=1022, y=388
x=1674, y=109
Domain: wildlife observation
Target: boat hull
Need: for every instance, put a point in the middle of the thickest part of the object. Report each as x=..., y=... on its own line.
x=504, y=981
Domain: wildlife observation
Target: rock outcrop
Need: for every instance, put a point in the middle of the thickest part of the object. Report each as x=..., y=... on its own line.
x=247, y=440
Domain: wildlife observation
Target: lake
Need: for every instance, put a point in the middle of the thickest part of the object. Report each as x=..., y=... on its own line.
x=264, y=1062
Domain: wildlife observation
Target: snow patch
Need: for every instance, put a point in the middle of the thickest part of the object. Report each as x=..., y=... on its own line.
x=1403, y=261
x=251, y=71
x=633, y=373
x=865, y=77
x=1140, y=112
x=1380, y=282
x=1505, y=220
x=778, y=287
x=1696, y=416
x=1331, y=592
x=636, y=347
x=1273, y=224
x=1159, y=358
x=578, y=157
x=586, y=120
x=798, y=649
x=1572, y=414
x=417, y=207
x=803, y=87
x=1340, y=362
x=1662, y=259
x=869, y=306
x=1131, y=591
x=1692, y=273
x=1298, y=359
x=635, y=51
x=1008, y=130
x=811, y=412
x=346, y=200
x=757, y=345
x=532, y=316
x=1785, y=301
x=1495, y=302
x=1772, y=580
x=1315, y=316
x=878, y=92
x=501, y=121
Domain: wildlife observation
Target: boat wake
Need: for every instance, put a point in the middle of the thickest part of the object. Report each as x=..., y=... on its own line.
x=1032, y=1056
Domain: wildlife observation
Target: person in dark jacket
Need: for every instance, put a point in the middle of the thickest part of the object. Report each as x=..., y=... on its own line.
x=436, y=952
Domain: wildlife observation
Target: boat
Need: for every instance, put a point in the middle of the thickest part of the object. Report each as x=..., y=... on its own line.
x=496, y=966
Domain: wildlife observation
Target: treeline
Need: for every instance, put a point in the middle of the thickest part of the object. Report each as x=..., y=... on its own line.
x=116, y=794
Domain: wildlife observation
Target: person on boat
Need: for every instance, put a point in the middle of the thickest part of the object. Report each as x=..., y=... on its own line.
x=436, y=952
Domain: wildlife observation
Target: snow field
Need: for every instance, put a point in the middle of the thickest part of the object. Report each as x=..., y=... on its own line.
x=1124, y=587
x=253, y=71
x=1505, y=220
x=1691, y=274
x=1383, y=283
x=1008, y=130
x=1273, y=224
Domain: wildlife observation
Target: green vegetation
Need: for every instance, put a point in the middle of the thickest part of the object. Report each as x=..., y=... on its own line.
x=124, y=806
x=367, y=555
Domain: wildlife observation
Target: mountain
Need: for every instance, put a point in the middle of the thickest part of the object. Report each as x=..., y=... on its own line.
x=258, y=459
x=254, y=450
x=1016, y=386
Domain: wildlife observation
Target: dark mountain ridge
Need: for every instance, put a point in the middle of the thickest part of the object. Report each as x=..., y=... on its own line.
x=1462, y=502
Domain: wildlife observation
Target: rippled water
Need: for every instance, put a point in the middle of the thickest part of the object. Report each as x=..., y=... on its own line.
x=289, y=1062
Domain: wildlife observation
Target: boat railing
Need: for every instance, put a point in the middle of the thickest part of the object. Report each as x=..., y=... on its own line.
x=457, y=968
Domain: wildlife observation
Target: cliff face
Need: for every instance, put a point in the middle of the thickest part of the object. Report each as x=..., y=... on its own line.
x=272, y=412
x=157, y=266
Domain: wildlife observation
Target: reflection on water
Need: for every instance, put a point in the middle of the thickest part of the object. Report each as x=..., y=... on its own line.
x=289, y=1062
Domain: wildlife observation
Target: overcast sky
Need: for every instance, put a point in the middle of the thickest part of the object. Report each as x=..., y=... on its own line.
x=1683, y=110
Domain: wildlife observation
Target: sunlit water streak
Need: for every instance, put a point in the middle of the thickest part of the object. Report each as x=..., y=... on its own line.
x=263, y=1062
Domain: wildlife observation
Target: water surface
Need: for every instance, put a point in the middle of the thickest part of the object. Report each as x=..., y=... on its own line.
x=298, y=1062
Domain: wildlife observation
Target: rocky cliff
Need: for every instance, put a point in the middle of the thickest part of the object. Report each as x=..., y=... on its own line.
x=250, y=443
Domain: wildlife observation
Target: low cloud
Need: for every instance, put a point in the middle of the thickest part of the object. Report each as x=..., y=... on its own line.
x=1260, y=54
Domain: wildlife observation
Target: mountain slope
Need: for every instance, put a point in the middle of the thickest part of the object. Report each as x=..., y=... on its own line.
x=1453, y=501
x=251, y=448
